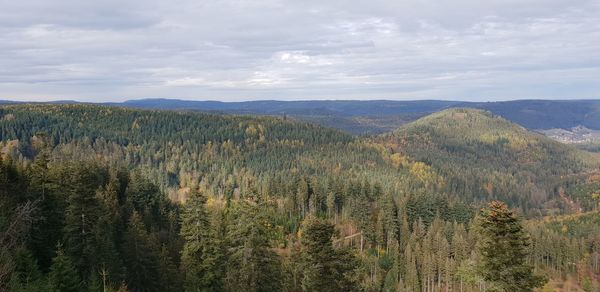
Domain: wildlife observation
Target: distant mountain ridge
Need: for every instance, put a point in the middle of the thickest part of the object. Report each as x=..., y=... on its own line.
x=546, y=114
x=532, y=114
x=379, y=116
x=341, y=107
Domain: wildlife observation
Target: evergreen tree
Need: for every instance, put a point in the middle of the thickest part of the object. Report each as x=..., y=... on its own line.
x=140, y=257
x=503, y=247
x=169, y=277
x=63, y=276
x=27, y=275
x=106, y=240
x=198, y=254
x=81, y=216
x=252, y=264
x=325, y=268
x=48, y=230
x=94, y=283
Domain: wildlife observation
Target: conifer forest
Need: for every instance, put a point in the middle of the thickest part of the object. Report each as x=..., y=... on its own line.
x=107, y=198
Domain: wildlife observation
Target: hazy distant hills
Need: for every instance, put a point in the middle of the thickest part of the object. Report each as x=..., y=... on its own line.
x=546, y=114
x=308, y=107
x=379, y=116
x=376, y=116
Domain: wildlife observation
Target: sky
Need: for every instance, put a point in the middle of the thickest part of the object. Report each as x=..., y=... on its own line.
x=233, y=50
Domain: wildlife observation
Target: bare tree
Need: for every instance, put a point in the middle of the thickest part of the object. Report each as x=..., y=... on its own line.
x=14, y=236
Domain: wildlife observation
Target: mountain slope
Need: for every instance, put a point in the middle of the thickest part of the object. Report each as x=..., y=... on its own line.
x=480, y=153
x=182, y=149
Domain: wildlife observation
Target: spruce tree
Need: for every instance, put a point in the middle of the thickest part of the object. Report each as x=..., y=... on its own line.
x=140, y=256
x=80, y=217
x=252, y=264
x=63, y=274
x=50, y=211
x=198, y=249
x=503, y=246
x=325, y=268
x=106, y=237
x=27, y=275
x=169, y=276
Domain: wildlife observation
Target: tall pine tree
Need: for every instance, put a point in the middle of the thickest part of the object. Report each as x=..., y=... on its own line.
x=325, y=268
x=63, y=275
x=503, y=247
x=141, y=257
x=252, y=263
x=199, y=254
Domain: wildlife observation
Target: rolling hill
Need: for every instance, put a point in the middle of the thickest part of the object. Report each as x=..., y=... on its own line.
x=481, y=153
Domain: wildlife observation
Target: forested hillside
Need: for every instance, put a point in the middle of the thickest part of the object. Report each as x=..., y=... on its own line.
x=485, y=156
x=105, y=197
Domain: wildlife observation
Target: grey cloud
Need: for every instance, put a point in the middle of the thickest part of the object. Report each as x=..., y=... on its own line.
x=279, y=49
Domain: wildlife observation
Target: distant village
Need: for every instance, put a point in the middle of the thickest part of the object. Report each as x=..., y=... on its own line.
x=579, y=134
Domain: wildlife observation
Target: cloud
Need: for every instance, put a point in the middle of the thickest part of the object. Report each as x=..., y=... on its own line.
x=282, y=49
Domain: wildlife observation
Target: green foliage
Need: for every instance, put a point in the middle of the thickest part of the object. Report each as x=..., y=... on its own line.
x=27, y=275
x=484, y=157
x=200, y=255
x=252, y=264
x=169, y=275
x=325, y=268
x=63, y=274
x=504, y=246
x=141, y=256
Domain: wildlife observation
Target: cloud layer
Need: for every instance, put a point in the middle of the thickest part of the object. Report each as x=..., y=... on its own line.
x=274, y=49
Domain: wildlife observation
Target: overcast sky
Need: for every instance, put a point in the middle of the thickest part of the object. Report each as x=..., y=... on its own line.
x=229, y=50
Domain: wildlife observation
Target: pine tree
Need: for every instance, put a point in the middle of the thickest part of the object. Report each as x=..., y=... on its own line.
x=94, y=283
x=80, y=218
x=411, y=277
x=27, y=275
x=50, y=211
x=169, y=277
x=252, y=264
x=140, y=256
x=107, y=258
x=303, y=195
x=197, y=256
x=325, y=268
x=503, y=247
x=63, y=275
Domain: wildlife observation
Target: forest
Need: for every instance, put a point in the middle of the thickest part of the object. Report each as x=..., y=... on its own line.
x=104, y=198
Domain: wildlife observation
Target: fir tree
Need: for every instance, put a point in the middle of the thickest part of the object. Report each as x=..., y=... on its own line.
x=63, y=276
x=325, y=269
x=81, y=216
x=140, y=257
x=198, y=250
x=169, y=276
x=252, y=264
x=503, y=247
x=27, y=275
